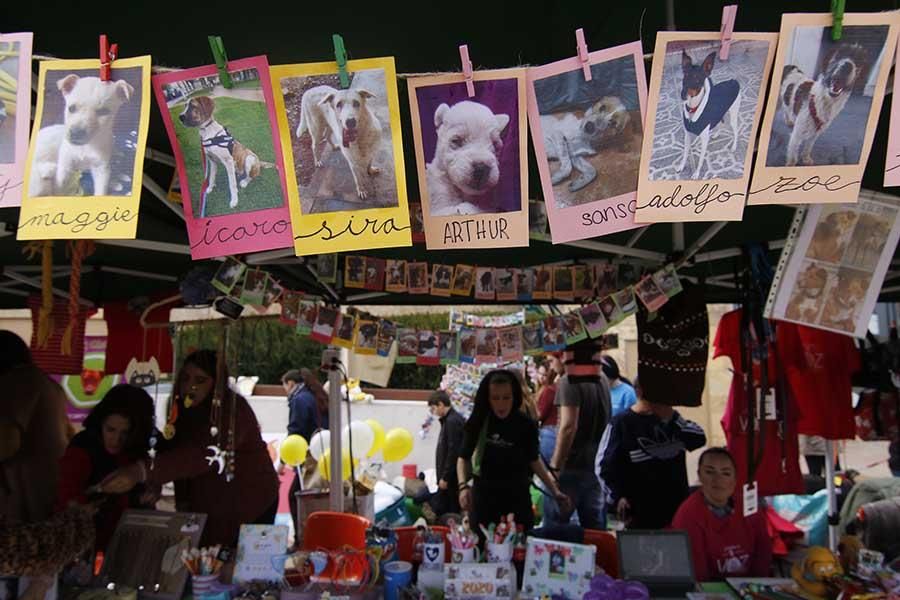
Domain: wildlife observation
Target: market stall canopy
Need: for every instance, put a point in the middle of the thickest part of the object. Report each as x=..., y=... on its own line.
x=423, y=38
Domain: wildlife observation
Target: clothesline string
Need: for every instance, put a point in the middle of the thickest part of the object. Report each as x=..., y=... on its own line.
x=159, y=69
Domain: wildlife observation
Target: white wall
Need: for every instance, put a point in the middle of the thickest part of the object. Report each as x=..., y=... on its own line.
x=805, y=49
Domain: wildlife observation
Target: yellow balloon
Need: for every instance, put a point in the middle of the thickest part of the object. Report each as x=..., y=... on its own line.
x=398, y=443
x=325, y=465
x=293, y=450
x=378, y=430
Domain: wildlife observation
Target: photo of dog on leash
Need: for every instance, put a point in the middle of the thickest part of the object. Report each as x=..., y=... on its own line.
x=86, y=140
x=825, y=95
x=590, y=131
x=341, y=141
x=225, y=139
x=706, y=109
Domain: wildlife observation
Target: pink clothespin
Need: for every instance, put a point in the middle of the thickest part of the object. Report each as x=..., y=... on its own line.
x=107, y=56
x=583, y=55
x=467, y=69
x=729, y=13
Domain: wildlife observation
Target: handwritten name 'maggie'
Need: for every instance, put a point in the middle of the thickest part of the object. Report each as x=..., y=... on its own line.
x=83, y=220
x=475, y=229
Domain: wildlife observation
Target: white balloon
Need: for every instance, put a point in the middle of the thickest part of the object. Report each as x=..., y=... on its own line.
x=363, y=438
x=320, y=443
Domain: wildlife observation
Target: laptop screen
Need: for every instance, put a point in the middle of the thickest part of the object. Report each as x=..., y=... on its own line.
x=655, y=556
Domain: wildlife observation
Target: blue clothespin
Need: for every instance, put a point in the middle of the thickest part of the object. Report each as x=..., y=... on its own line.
x=837, y=12
x=218, y=50
x=340, y=56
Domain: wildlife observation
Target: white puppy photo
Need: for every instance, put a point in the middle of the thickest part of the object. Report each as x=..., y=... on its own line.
x=86, y=138
x=341, y=141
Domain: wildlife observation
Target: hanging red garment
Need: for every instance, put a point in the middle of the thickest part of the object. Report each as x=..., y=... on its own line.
x=778, y=471
x=50, y=358
x=821, y=383
x=127, y=339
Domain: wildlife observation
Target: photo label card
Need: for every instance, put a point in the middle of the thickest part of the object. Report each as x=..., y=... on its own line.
x=343, y=154
x=228, y=157
x=15, y=114
x=86, y=156
x=471, y=158
x=823, y=108
x=701, y=126
x=587, y=137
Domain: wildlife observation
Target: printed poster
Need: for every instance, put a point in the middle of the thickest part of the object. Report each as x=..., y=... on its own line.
x=471, y=155
x=15, y=114
x=88, y=143
x=587, y=138
x=228, y=154
x=345, y=174
x=823, y=108
x=830, y=275
x=703, y=117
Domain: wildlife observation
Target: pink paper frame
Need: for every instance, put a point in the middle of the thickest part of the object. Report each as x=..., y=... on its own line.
x=12, y=175
x=266, y=229
x=892, y=162
x=574, y=222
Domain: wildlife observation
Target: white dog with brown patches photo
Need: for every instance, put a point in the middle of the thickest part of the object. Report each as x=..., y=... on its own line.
x=466, y=164
x=83, y=142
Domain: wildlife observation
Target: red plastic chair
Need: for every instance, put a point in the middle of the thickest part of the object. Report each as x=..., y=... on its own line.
x=607, y=550
x=407, y=535
x=334, y=530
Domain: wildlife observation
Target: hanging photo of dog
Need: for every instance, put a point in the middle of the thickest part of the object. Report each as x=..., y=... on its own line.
x=484, y=283
x=86, y=158
x=395, y=271
x=574, y=328
x=408, y=345
x=463, y=280
x=524, y=284
x=584, y=281
x=387, y=333
x=505, y=283
x=355, y=271
x=326, y=321
x=290, y=308
x=344, y=331
x=448, y=351
x=441, y=278
x=511, y=343
x=427, y=351
x=344, y=156
x=366, y=336
x=532, y=344
x=471, y=159
x=228, y=157
x=326, y=268
x=563, y=284
x=418, y=277
x=626, y=301
x=229, y=274
x=554, y=331
x=487, y=347
x=467, y=344
x=254, y=287
x=15, y=114
x=701, y=125
x=594, y=320
x=823, y=108
x=610, y=311
x=374, y=273
x=543, y=283
x=832, y=269
x=587, y=137
x=650, y=294
x=306, y=317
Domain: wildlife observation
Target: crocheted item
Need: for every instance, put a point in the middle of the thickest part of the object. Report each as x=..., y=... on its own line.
x=45, y=547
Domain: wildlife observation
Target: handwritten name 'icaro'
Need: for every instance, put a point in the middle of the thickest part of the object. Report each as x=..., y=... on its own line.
x=81, y=221
x=374, y=225
x=707, y=194
x=223, y=235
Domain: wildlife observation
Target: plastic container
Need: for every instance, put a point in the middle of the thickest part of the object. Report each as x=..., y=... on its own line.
x=406, y=536
x=332, y=531
x=203, y=584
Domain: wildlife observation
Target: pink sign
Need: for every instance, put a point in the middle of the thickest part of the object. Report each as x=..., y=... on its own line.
x=587, y=137
x=229, y=157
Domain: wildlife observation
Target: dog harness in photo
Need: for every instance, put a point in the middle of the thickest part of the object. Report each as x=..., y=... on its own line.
x=817, y=120
x=223, y=139
x=719, y=98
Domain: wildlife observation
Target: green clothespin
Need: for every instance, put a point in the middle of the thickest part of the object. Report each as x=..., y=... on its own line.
x=218, y=50
x=340, y=56
x=837, y=12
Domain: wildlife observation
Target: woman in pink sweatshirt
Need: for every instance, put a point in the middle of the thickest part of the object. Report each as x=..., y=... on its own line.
x=724, y=543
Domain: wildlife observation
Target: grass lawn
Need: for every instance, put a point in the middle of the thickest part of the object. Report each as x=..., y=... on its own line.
x=248, y=122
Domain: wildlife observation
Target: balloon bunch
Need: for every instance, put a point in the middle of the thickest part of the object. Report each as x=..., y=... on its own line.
x=365, y=438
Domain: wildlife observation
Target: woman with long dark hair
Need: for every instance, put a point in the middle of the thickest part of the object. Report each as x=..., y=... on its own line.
x=500, y=449
x=115, y=434
x=208, y=423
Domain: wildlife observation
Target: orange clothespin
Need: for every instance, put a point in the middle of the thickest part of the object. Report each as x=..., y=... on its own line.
x=467, y=69
x=583, y=55
x=108, y=54
x=729, y=13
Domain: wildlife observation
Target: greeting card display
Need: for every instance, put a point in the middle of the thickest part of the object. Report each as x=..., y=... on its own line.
x=557, y=568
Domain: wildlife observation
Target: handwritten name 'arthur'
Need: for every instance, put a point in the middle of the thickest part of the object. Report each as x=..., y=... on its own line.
x=461, y=232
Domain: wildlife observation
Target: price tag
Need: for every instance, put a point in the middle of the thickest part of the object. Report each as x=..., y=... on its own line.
x=751, y=499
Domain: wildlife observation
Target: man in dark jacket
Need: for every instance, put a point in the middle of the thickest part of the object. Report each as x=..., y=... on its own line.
x=448, y=445
x=303, y=420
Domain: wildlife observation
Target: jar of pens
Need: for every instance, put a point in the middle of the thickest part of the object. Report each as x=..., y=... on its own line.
x=204, y=565
x=501, y=539
x=463, y=542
